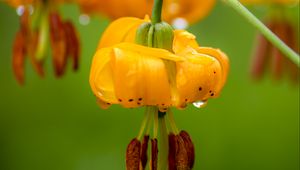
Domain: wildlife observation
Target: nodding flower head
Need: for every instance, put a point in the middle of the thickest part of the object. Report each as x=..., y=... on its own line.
x=139, y=63
x=135, y=75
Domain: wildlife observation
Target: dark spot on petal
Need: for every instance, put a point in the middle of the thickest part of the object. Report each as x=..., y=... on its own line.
x=140, y=99
x=212, y=94
x=186, y=100
x=215, y=72
x=210, y=91
x=120, y=100
x=108, y=103
x=163, y=104
x=138, y=103
x=200, y=88
x=130, y=100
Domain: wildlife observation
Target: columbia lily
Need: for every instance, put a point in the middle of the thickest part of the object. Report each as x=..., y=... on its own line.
x=281, y=25
x=143, y=63
x=40, y=22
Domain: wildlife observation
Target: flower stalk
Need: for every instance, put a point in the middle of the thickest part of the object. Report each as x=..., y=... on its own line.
x=156, y=11
x=243, y=11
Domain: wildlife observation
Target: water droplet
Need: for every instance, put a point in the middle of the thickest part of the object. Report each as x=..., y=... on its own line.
x=20, y=10
x=84, y=19
x=180, y=23
x=200, y=104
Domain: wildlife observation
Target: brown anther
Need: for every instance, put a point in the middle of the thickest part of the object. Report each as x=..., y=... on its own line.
x=133, y=155
x=19, y=57
x=189, y=147
x=181, y=158
x=154, y=154
x=144, y=150
x=58, y=43
x=172, y=151
x=72, y=44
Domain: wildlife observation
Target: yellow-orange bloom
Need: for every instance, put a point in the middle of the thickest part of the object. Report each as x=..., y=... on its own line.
x=190, y=10
x=133, y=75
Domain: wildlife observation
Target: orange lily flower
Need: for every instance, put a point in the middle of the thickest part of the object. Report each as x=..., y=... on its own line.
x=40, y=22
x=133, y=75
x=120, y=69
x=265, y=53
x=189, y=10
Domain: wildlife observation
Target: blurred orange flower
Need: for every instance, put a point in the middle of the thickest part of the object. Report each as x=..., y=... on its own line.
x=189, y=10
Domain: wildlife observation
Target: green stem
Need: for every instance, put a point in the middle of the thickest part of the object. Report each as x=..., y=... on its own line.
x=43, y=37
x=144, y=123
x=287, y=51
x=163, y=144
x=156, y=11
x=172, y=122
x=155, y=126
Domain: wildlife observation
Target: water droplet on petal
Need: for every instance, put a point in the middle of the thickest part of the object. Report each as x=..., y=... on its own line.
x=180, y=23
x=20, y=10
x=200, y=104
x=84, y=19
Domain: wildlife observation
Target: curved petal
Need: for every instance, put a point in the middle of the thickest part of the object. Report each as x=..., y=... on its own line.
x=139, y=77
x=101, y=73
x=198, y=78
x=221, y=57
x=119, y=31
x=148, y=51
x=182, y=40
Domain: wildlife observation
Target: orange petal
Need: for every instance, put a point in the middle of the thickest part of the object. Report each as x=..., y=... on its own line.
x=198, y=78
x=223, y=60
x=121, y=30
x=140, y=79
x=183, y=40
x=101, y=80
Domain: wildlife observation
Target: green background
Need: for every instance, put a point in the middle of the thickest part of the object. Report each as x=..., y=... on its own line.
x=55, y=124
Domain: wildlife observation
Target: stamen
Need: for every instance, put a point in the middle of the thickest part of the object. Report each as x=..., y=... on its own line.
x=172, y=122
x=133, y=155
x=155, y=126
x=163, y=142
x=144, y=122
x=189, y=146
x=154, y=154
x=144, y=150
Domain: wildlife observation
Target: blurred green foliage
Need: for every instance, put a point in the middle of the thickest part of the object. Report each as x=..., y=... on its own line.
x=55, y=124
